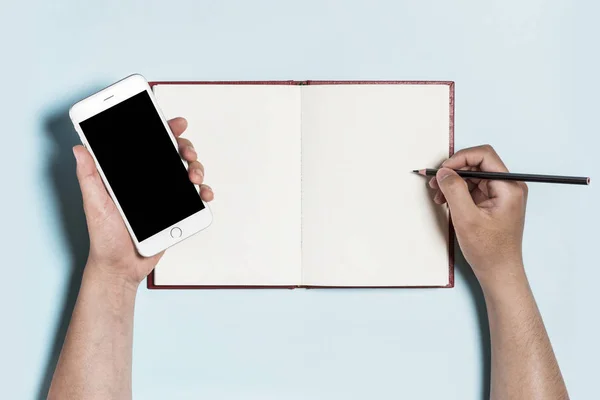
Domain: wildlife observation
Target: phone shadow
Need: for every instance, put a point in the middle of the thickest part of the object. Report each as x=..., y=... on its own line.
x=465, y=274
x=65, y=189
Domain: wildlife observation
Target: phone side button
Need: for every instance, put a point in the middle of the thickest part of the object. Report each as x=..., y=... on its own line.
x=175, y=233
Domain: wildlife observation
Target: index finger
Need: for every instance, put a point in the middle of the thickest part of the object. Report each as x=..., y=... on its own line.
x=484, y=157
x=178, y=126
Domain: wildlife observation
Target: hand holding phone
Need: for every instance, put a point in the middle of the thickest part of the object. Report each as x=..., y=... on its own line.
x=138, y=189
x=111, y=247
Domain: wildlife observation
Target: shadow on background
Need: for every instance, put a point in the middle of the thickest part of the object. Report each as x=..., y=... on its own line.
x=463, y=269
x=65, y=188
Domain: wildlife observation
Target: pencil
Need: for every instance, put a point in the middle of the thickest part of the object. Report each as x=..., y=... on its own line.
x=507, y=176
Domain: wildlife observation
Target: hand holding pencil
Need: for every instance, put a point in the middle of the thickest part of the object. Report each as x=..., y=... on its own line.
x=488, y=215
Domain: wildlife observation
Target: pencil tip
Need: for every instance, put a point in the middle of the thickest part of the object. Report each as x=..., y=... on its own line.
x=416, y=171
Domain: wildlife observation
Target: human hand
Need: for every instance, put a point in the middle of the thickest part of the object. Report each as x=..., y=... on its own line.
x=488, y=215
x=112, y=251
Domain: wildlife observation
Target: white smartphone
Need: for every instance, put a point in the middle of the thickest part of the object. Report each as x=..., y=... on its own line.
x=137, y=157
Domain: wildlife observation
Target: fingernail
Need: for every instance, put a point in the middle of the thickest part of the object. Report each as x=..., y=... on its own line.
x=208, y=187
x=443, y=174
x=437, y=198
x=199, y=172
x=191, y=148
x=75, y=154
x=432, y=183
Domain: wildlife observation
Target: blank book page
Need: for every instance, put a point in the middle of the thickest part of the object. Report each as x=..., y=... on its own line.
x=367, y=219
x=248, y=138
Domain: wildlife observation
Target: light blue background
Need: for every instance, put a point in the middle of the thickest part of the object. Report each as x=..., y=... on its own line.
x=526, y=77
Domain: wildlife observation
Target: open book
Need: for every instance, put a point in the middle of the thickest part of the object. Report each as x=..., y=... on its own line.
x=313, y=184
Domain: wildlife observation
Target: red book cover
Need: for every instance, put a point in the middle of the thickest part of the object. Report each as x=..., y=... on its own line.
x=150, y=279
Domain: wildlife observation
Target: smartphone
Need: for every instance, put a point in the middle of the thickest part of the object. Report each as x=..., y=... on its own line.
x=138, y=159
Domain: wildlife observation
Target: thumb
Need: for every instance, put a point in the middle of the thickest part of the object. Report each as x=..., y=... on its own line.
x=456, y=192
x=95, y=197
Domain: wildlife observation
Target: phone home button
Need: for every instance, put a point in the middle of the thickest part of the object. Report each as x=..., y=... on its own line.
x=175, y=233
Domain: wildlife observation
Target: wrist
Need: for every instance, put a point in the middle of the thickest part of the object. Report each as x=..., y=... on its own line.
x=499, y=281
x=103, y=275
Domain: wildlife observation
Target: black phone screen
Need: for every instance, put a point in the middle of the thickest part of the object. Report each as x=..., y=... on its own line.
x=141, y=165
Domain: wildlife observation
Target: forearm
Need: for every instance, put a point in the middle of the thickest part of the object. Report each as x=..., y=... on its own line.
x=523, y=363
x=95, y=362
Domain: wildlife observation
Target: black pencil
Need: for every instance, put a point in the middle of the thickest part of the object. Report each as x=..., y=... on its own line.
x=507, y=176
